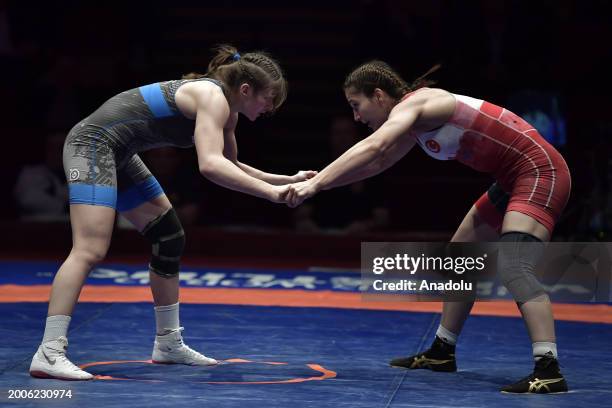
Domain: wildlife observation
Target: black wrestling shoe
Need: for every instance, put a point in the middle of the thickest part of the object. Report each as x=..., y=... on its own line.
x=439, y=357
x=545, y=379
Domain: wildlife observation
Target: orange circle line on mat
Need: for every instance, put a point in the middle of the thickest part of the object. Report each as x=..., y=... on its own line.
x=316, y=367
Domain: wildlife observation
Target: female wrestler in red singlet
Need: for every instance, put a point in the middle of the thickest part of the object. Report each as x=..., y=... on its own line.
x=520, y=210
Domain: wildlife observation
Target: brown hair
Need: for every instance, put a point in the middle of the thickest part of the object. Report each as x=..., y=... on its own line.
x=378, y=74
x=257, y=69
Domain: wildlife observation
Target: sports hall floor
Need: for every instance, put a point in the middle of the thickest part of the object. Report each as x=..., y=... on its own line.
x=287, y=338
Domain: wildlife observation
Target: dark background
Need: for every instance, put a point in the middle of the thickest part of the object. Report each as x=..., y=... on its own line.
x=60, y=62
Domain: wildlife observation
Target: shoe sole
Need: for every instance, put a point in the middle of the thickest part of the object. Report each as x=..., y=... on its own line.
x=424, y=368
x=535, y=393
x=171, y=362
x=42, y=374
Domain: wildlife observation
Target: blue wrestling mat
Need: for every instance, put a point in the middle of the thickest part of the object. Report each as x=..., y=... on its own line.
x=279, y=356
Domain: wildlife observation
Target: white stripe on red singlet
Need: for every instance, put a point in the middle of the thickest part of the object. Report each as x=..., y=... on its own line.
x=554, y=170
x=523, y=154
x=515, y=150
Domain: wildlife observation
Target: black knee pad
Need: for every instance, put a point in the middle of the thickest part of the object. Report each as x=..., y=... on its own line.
x=168, y=239
x=518, y=256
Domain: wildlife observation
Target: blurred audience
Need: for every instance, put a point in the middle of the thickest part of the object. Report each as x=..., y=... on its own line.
x=354, y=209
x=40, y=191
x=55, y=71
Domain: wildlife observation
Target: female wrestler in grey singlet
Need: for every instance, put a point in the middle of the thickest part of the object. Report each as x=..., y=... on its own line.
x=106, y=175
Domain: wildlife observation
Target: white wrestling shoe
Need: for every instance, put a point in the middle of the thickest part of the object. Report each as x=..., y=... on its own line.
x=170, y=349
x=50, y=361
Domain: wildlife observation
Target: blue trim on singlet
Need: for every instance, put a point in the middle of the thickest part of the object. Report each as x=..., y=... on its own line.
x=139, y=194
x=92, y=194
x=153, y=96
